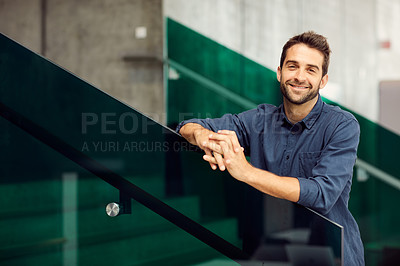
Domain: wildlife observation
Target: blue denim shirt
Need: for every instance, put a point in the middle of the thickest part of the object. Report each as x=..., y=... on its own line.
x=320, y=151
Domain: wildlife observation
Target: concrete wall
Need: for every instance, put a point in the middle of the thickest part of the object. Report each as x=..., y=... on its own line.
x=91, y=38
x=389, y=105
x=259, y=28
x=21, y=20
x=388, y=24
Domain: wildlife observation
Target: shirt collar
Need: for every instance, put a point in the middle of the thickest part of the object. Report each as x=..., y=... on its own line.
x=310, y=119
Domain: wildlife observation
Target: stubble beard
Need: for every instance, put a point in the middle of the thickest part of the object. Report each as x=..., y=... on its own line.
x=311, y=94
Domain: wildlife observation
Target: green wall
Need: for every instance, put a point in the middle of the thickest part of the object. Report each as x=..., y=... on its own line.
x=220, y=67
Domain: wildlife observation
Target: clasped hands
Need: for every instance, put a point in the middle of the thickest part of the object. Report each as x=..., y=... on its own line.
x=223, y=150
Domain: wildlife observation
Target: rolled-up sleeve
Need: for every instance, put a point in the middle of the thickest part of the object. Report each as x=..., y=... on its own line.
x=333, y=169
x=243, y=124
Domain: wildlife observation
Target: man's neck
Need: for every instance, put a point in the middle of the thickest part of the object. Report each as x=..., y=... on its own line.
x=297, y=112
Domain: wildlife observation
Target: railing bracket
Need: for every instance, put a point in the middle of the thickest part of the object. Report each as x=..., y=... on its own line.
x=124, y=206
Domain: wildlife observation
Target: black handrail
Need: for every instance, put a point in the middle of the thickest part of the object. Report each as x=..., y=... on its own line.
x=124, y=186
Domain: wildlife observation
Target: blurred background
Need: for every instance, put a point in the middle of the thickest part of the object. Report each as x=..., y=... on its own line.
x=177, y=59
x=80, y=34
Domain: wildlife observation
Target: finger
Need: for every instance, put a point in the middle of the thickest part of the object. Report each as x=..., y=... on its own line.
x=236, y=145
x=226, y=132
x=216, y=136
x=222, y=137
x=209, y=154
x=234, y=139
x=211, y=160
x=213, y=146
x=220, y=161
x=227, y=152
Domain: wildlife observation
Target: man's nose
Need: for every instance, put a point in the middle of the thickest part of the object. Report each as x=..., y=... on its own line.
x=300, y=75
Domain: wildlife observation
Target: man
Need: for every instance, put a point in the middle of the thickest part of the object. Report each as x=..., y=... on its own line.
x=303, y=151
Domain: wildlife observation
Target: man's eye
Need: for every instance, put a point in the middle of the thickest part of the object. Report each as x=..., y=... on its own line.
x=312, y=70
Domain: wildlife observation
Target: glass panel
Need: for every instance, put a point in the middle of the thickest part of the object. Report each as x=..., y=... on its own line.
x=381, y=234
x=54, y=214
x=62, y=138
x=59, y=135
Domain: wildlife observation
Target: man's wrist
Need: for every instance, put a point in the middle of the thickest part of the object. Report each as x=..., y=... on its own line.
x=196, y=134
x=249, y=173
x=189, y=132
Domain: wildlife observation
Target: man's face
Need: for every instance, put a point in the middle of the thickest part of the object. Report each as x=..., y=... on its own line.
x=301, y=74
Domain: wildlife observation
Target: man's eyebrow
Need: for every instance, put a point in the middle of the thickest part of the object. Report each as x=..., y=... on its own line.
x=291, y=62
x=311, y=65
x=295, y=62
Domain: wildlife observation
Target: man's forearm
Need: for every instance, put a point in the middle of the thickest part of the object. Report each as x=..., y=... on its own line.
x=277, y=186
x=227, y=144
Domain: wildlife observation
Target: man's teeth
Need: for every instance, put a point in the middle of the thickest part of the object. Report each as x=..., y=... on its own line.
x=299, y=87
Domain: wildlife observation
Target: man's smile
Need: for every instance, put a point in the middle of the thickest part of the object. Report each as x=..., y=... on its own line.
x=298, y=87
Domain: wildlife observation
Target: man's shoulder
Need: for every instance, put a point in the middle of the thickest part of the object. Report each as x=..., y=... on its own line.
x=261, y=110
x=260, y=115
x=334, y=111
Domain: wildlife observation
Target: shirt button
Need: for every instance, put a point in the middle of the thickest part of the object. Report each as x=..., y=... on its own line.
x=287, y=157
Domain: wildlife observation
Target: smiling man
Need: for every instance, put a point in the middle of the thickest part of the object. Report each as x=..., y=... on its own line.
x=302, y=151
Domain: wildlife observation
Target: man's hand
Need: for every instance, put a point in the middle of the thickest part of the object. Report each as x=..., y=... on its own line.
x=202, y=139
x=225, y=146
x=225, y=142
x=199, y=136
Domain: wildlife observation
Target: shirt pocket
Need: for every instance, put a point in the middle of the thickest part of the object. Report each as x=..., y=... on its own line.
x=308, y=160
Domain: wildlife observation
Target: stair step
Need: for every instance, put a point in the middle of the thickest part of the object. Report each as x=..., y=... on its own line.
x=380, y=245
x=37, y=196
x=41, y=196
x=94, y=221
x=228, y=262
x=194, y=257
x=171, y=247
x=30, y=229
x=142, y=220
x=154, y=247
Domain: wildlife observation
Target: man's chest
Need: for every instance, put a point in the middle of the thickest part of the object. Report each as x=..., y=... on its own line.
x=291, y=152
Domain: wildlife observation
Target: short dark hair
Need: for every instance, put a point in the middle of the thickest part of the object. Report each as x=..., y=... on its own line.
x=312, y=40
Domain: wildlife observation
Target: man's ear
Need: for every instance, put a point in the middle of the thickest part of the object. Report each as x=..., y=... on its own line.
x=278, y=73
x=324, y=80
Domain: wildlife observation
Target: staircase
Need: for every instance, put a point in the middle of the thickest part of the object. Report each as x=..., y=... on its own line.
x=41, y=227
